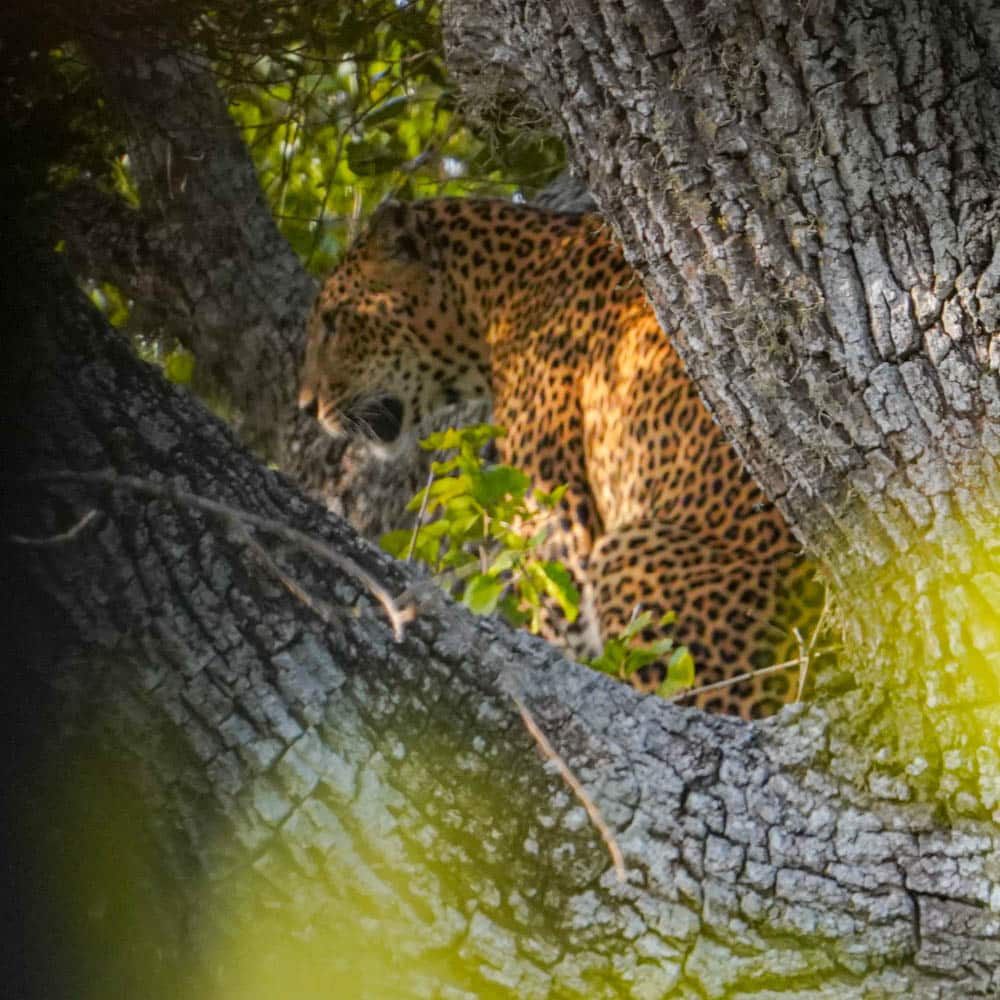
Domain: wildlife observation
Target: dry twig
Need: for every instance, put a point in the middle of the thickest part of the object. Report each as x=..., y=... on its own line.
x=420, y=515
x=549, y=752
x=398, y=616
x=759, y=672
x=62, y=537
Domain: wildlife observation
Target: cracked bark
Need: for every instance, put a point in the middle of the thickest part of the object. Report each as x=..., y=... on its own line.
x=286, y=784
x=808, y=194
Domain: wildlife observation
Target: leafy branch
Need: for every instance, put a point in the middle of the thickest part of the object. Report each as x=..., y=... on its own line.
x=484, y=546
x=485, y=538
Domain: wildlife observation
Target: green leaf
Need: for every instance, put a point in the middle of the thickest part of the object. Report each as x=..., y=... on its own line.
x=559, y=585
x=476, y=436
x=498, y=482
x=611, y=659
x=396, y=543
x=479, y=435
x=549, y=500
x=463, y=528
x=531, y=598
x=511, y=610
x=639, y=657
x=455, y=558
x=445, y=489
x=680, y=672
x=442, y=440
x=637, y=625
x=507, y=559
x=660, y=648
x=441, y=492
x=178, y=366
x=538, y=537
x=418, y=500
x=482, y=594
x=443, y=468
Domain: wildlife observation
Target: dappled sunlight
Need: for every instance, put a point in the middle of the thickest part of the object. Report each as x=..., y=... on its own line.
x=337, y=895
x=925, y=636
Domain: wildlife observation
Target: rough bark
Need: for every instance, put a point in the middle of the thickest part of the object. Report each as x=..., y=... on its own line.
x=295, y=793
x=809, y=193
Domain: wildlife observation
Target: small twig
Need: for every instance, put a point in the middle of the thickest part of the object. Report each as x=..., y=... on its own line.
x=483, y=565
x=420, y=514
x=398, y=617
x=319, y=608
x=575, y=786
x=803, y=661
x=749, y=675
x=810, y=649
x=62, y=537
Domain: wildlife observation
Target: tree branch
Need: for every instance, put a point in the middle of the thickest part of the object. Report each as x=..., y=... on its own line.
x=324, y=775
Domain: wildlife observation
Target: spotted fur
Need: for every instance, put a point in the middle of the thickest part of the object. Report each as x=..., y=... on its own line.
x=448, y=300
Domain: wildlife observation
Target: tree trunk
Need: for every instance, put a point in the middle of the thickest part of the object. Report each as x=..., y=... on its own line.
x=202, y=261
x=283, y=800
x=809, y=191
x=224, y=785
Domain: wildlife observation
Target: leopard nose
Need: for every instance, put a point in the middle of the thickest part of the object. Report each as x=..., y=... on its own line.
x=309, y=404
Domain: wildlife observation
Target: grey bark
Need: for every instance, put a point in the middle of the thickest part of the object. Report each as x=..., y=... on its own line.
x=383, y=800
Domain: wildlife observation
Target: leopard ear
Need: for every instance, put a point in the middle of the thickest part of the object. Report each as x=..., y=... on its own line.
x=399, y=232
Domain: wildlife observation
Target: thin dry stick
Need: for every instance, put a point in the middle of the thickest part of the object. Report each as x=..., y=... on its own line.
x=319, y=608
x=420, y=515
x=398, y=617
x=759, y=672
x=810, y=649
x=803, y=661
x=62, y=537
x=576, y=787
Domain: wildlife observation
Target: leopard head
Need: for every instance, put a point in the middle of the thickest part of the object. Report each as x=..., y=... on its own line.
x=391, y=337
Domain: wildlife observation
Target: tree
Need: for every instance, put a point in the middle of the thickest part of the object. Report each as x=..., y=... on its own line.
x=292, y=793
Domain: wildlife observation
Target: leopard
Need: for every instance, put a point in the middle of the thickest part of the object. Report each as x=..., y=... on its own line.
x=539, y=314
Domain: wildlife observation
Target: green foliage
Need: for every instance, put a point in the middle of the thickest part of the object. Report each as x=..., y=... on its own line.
x=490, y=523
x=358, y=108
x=341, y=105
x=178, y=366
x=624, y=655
x=483, y=548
